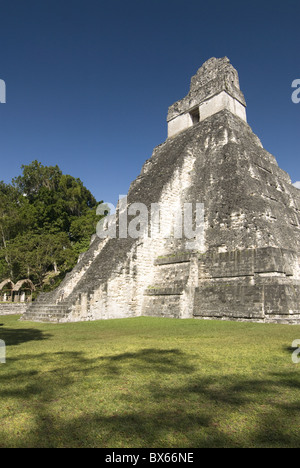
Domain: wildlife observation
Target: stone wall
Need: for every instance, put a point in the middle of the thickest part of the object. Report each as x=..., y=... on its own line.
x=253, y=284
x=12, y=309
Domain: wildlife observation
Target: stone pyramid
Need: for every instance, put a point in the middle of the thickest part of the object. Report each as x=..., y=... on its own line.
x=241, y=262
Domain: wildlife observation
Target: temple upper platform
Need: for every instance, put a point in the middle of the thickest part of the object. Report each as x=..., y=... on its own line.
x=214, y=87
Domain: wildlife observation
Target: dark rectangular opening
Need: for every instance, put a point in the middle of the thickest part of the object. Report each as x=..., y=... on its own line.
x=195, y=115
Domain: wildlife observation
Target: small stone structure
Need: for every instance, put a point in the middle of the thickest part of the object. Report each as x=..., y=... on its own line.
x=22, y=291
x=14, y=298
x=246, y=266
x=6, y=291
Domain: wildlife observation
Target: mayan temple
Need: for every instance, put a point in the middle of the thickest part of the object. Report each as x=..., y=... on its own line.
x=245, y=263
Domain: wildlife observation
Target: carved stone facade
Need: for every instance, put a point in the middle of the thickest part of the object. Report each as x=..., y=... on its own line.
x=246, y=267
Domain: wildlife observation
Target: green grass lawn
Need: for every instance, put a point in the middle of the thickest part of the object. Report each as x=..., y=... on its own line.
x=149, y=382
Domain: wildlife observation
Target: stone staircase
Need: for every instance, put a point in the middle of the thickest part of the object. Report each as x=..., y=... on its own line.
x=42, y=312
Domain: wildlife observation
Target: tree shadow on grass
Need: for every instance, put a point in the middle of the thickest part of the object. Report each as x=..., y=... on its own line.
x=163, y=361
x=70, y=408
x=16, y=336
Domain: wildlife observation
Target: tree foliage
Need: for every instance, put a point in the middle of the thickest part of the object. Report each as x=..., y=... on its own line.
x=46, y=220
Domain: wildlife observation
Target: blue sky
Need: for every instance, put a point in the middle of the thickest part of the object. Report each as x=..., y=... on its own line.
x=89, y=82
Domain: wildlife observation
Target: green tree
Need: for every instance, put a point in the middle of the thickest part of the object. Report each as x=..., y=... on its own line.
x=46, y=220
